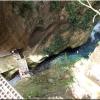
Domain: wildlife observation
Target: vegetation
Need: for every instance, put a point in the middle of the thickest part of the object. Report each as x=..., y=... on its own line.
x=98, y=43
x=23, y=8
x=76, y=19
x=55, y=45
x=72, y=11
x=84, y=24
x=65, y=62
x=26, y=7
x=54, y=6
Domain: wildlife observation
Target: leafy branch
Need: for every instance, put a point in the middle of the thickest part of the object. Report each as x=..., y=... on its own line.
x=88, y=5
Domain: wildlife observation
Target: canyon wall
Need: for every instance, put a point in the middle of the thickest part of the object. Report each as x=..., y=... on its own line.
x=45, y=27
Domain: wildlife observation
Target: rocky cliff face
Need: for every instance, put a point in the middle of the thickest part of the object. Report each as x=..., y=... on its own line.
x=12, y=29
x=46, y=27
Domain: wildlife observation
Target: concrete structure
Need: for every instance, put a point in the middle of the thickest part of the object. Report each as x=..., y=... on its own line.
x=22, y=64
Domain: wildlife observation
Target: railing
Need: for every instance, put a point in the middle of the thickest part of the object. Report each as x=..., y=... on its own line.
x=7, y=91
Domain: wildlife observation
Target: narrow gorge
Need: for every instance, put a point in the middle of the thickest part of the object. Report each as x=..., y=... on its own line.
x=56, y=43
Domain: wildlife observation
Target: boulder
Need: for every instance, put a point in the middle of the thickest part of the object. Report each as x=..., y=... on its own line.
x=7, y=64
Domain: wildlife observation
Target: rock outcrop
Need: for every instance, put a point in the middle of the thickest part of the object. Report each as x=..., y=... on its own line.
x=38, y=26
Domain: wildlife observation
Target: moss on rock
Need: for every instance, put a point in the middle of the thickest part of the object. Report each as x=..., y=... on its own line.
x=56, y=44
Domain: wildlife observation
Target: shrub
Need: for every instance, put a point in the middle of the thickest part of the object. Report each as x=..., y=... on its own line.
x=54, y=6
x=84, y=24
x=75, y=18
x=72, y=11
x=56, y=44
